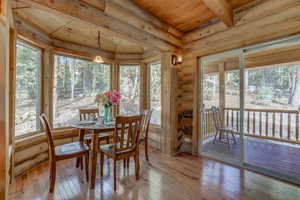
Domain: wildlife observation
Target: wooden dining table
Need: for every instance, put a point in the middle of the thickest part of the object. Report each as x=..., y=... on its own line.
x=96, y=128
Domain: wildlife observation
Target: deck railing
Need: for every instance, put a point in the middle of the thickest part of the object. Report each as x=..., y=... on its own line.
x=280, y=125
x=209, y=124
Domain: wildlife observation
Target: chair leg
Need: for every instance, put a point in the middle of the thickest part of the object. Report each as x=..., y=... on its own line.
x=50, y=172
x=115, y=178
x=77, y=162
x=128, y=160
x=220, y=135
x=228, y=142
x=53, y=176
x=146, y=150
x=101, y=163
x=215, y=138
x=87, y=166
x=81, y=163
x=124, y=163
x=233, y=137
x=137, y=166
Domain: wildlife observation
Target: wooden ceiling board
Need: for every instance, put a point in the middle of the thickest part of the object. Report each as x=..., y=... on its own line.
x=182, y=14
x=63, y=28
x=238, y=3
x=37, y=17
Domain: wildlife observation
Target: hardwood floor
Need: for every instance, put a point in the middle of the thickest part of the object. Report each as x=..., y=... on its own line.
x=183, y=177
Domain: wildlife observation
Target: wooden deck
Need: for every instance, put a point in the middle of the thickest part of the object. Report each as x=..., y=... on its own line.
x=184, y=177
x=279, y=157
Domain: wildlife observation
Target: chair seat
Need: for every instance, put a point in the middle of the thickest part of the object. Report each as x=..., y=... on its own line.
x=108, y=149
x=71, y=149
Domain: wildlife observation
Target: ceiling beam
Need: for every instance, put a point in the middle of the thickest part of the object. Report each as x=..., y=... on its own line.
x=222, y=9
x=88, y=14
x=203, y=32
x=90, y=51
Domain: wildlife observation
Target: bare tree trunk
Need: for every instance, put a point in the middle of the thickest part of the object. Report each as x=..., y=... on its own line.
x=295, y=96
x=73, y=78
x=56, y=91
x=67, y=72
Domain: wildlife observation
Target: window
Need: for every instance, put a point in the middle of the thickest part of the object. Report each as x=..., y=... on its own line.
x=76, y=82
x=129, y=89
x=273, y=87
x=28, y=62
x=232, y=89
x=155, y=92
x=211, y=90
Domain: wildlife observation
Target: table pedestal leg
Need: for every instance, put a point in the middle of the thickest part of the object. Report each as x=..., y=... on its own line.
x=93, y=159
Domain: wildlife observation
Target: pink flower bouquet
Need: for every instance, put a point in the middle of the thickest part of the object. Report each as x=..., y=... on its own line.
x=108, y=98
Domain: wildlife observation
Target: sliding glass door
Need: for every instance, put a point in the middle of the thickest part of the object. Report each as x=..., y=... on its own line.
x=272, y=99
x=253, y=93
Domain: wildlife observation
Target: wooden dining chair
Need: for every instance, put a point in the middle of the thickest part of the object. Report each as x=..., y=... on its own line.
x=144, y=134
x=125, y=143
x=220, y=128
x=63, y=152
x=145, y=129
x=85, y=114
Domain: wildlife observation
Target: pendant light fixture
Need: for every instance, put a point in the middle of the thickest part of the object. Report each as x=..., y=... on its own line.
x=99, y=59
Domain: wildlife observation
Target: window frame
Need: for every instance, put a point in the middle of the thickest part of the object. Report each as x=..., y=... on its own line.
x=51, y=83
x=153, y=126
x=40, y=89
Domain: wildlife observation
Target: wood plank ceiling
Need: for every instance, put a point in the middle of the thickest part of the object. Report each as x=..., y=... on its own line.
x=66, y=29
x=184, y=15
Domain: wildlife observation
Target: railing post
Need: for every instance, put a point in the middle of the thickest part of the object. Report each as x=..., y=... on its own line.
x=267, y=123
x=281, y=126
x=297, y=126
x=273, y=127
x=254, y=119
x=289, y=126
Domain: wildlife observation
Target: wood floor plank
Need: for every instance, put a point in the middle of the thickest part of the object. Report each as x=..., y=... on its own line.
x=184, y=177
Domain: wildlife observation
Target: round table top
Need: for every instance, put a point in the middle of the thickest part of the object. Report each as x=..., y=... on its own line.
x=94, y=125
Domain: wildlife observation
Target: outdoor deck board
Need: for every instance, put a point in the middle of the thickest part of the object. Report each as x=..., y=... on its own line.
x=275, y=156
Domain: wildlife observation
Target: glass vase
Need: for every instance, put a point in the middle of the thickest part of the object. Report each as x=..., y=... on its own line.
x=107, y=115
